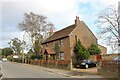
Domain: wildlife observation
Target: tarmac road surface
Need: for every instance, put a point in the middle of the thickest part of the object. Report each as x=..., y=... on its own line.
x=16, y=70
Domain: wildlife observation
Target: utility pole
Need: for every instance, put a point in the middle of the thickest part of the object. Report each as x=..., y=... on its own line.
x=23, y=47
x=119, y=27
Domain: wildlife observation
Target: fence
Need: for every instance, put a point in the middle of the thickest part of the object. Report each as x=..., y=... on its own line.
x=109, y=68
x=62, y=64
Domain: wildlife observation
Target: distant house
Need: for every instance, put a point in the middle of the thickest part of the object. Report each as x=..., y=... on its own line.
x=103, y=49
x=67, y=38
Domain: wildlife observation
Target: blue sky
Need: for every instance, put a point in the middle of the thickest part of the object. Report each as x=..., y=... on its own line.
x=61, y=13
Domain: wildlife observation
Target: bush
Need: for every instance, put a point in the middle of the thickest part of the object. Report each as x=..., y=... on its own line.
x=36, y=56
x=81, y=51
x=93, y=49
x=9, y=58
x=17, y=60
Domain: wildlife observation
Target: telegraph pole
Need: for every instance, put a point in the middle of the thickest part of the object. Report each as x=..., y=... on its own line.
x=23, y=47
x=119, y=27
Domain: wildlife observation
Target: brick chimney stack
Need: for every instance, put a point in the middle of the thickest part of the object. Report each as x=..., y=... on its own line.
x=77, y=20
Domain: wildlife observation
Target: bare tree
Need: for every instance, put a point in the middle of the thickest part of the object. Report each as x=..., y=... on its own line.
x=37, y=27
x=108, y=23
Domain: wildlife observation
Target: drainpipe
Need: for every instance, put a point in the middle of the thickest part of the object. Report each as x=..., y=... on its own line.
x=71, y=61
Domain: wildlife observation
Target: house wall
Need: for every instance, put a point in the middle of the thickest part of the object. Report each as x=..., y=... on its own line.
x=83, y=34
x=65, y=47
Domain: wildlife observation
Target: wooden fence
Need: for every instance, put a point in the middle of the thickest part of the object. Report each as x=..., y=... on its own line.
x=64, y=64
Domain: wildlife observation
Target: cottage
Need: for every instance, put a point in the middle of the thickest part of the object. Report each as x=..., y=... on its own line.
x=66, y=39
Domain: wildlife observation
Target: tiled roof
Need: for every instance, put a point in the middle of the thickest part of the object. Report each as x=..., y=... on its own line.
x=60, y=34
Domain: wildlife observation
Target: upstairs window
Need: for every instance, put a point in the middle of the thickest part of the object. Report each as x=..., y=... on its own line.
x=61, y=43
x=53, y=43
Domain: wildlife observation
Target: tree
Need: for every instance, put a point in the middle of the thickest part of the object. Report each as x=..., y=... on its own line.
x=93, y=49
x=36, y=56
x=6, y=52
x=16, y=45
x=57, y=50
x=37, y=48
x=30, y=51
x=81, y=51
x=36, y=26
x=0, y=51
x=109, y=27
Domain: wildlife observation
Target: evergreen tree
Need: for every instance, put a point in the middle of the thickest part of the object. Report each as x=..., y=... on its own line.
x=7, y=51
x=36, y=47
x=57, y=50
x=93, y=49
x=81, y=51
x=30, y=51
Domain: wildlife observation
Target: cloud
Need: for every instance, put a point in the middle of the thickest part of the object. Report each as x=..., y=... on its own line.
x=61, y=12
x=56, y=10
x=103, y=2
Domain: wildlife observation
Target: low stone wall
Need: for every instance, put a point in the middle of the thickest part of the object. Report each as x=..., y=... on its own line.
x=109, y=56
x=109, y=69
x=104, y=57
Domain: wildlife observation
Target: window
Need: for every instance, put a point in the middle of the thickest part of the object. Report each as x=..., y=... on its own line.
x=53, y=43
x=61, y=56
x=53, y=57
x=46, y=44
x=61, y=42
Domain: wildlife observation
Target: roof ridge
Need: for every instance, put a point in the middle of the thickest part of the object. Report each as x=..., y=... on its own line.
x=64, y=28
x=60, y=33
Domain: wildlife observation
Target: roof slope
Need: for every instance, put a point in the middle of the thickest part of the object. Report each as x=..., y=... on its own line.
x=89, y=29
x=60, y=34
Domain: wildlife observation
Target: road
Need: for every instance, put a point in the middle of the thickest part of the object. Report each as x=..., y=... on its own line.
x=16, y=70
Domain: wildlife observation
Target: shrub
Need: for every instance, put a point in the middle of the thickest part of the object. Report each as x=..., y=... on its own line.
x=17, y=60
x=81, y=51
x=93, y=49
x=36, y=56
x=10, y=58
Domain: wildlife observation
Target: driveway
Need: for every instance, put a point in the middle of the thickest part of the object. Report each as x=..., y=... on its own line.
x=92, y=70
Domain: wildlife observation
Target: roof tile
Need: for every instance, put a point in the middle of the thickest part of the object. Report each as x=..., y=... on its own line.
x=60, y=34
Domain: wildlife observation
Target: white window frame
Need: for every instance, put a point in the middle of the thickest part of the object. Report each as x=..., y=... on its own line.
x=62, y=56
x=53, y=43
x=61, y=42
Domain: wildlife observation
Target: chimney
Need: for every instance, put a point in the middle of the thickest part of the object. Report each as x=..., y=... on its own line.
x=77, y=20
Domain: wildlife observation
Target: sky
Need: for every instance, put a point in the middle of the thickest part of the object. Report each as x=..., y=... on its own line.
x=61, y=13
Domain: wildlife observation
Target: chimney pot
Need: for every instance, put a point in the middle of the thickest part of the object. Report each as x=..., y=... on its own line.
x=77, y=17
x=77, y=20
